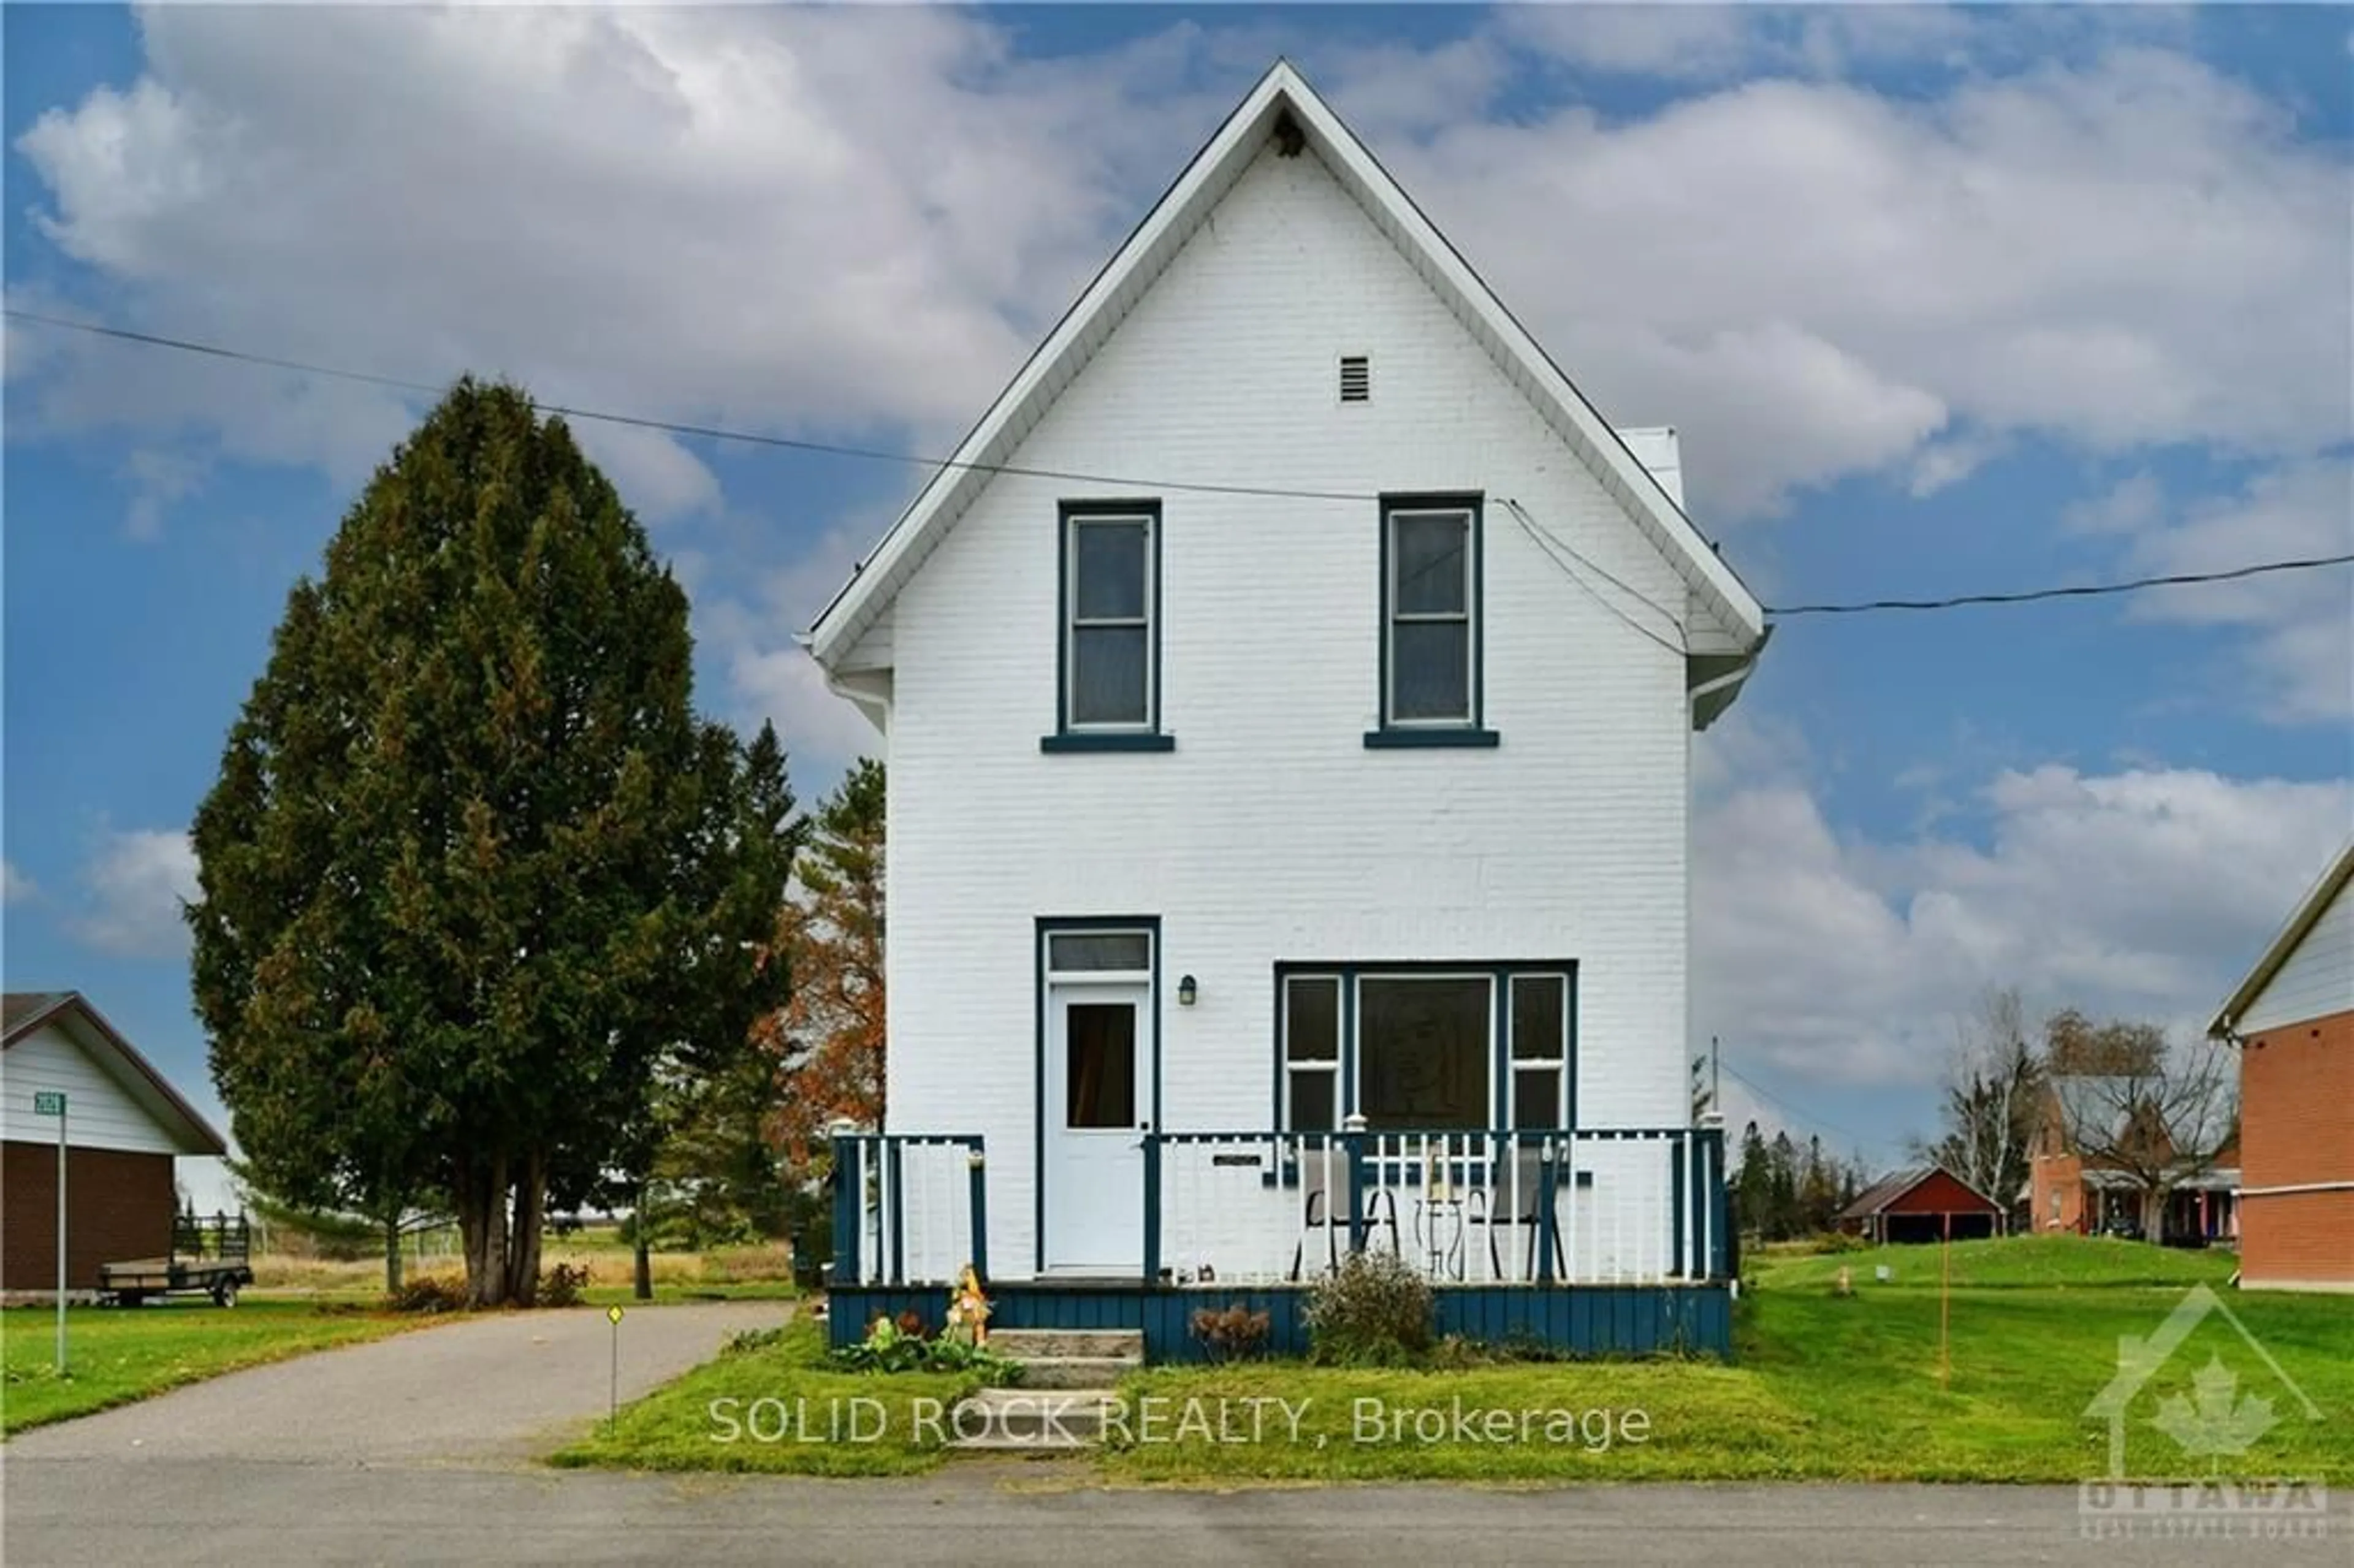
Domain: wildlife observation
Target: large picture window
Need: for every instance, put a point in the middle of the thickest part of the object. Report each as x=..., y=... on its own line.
x=1484, y=1045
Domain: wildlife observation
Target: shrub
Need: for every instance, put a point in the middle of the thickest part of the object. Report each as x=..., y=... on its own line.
x=429, y=1293
x=891, y=1347
x=749, y=1340
x=561, y=1286
x=1837, y=1242
x=1233, y=1333
x=1372, y=1310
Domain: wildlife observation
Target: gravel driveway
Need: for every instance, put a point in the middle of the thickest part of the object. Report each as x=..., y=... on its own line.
x=480, y=1390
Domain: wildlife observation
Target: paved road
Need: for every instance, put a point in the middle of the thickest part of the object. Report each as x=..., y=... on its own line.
x=417, y=1449
x=486, y=1390
x=199, y=1511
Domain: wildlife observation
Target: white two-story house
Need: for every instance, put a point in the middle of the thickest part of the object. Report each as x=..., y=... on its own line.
x=1289, y=691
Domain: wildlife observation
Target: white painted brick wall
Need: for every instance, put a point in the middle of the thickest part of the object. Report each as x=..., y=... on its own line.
x=1271, y=833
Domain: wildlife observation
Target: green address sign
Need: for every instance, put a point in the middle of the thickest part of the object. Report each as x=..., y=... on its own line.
x=50, y=1102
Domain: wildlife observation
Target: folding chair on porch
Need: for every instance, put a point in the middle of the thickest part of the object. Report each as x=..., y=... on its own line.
x=1320, y=1169
x=1519, y=1199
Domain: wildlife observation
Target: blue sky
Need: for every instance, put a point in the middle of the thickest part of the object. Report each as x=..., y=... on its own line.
x=1941, y=300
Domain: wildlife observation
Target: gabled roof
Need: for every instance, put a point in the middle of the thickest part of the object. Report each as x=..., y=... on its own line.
x=2309, y=910
x=1733, y=624
x=22, y=1013
x=1897, y=1184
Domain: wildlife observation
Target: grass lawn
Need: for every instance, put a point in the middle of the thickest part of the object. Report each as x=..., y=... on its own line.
x=2048, y=1262
x=115, y=1355
x=786, y=1398
x=1824, y=1387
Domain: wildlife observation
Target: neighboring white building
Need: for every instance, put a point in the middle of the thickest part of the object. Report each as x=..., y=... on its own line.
x=1288, y=695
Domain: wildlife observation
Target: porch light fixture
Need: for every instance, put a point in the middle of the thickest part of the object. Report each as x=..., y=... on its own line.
x=1186, y=991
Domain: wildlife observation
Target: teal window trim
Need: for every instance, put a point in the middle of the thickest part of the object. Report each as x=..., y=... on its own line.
x=1470, y=731
x=1068, y=736
x=1421, y=739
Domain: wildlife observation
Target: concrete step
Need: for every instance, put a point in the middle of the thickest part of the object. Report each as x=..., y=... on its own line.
x=1016, y=1420
x=1076, y=1372
x=1107, y=1344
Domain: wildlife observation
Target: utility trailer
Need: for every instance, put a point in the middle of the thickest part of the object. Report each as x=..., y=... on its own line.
x=209, y=1257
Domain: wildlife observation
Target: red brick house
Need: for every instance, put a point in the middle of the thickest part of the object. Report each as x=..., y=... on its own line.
x=2068, y=1190
x=2293, y=1021
x=124, y=1128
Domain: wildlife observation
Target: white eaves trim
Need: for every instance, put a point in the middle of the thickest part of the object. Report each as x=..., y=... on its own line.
x=2283, y=944
x=1727, y=620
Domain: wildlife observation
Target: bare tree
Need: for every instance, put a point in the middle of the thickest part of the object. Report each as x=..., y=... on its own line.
x=1991, y=1092
x=2153, y=1115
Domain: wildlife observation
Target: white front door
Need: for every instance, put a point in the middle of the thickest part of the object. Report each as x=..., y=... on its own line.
x=1098, y=1105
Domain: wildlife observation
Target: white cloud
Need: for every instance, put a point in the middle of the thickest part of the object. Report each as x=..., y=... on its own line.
x=706, y=214
x=135, y=886
x=16, y=887
x=712, y=214
x=2297, y=665
x=1812, y=280
x=1845, y=960
x=159, y=479
x=770, y=677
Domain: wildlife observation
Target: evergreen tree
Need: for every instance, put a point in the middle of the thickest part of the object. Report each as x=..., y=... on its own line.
x=472, y=861
x=1782, y=1193
x=1754, y=1186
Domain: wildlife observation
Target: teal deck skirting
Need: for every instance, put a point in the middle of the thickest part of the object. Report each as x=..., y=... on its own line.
x=1583, y=1319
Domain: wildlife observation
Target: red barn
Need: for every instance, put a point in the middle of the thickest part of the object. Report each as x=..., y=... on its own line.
x=1923, y=1204
x=124, y=1127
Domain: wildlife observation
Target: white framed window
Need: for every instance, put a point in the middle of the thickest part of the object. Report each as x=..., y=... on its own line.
x=1425, y=1050
x=1312, y=1053
x=1430, y=612
x=1540, y=1041
x=1111, y=600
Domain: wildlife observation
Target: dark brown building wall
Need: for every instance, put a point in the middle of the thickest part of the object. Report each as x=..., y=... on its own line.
x=120, y=1207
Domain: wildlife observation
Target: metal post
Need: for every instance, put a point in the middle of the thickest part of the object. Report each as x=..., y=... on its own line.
x=61, y=1235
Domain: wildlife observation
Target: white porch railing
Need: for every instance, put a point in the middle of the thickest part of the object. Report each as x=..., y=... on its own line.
x=1493, y=1206
x=909, y=1208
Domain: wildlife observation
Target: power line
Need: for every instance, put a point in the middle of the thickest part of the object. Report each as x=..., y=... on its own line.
x=1540, y=539
x=676, y=428
x=2083, y=590
x=874, y=454
x=1772, y=1098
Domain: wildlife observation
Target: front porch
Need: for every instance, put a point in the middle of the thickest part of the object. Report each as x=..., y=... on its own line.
x=1598, y=1241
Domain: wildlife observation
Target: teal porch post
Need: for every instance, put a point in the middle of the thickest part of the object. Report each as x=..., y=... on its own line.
x=976, y=1175
x=1151, y=1208
x=849, y=1179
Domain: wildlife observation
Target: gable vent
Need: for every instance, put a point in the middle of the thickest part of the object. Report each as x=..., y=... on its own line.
x=1356, y=378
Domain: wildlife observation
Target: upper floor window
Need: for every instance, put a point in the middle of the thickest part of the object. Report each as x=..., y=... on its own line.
x=1110, y=630
x=1430, y=623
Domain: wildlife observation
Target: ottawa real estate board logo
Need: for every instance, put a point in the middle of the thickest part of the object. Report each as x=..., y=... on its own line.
x=2229, y=1403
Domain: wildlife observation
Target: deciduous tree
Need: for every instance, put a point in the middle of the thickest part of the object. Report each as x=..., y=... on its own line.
x=1990, y=1095
x=828, y=1040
